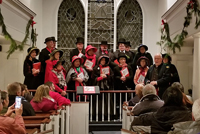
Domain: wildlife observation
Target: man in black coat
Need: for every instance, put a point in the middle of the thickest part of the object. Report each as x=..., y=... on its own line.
x=158, y=75
x=79, y=51
x=14, y=90
x=121, y=46
x=44, y=54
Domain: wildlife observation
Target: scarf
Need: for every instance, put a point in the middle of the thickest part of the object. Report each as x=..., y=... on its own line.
x=142, y=71
x=60, y=77
x=76, y=82
x=122, y=66
x=92, y=57
x=50, y=50
x=104, y=51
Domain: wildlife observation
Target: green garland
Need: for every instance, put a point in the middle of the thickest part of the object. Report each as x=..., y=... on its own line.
x=178, y=40
x=14, y=46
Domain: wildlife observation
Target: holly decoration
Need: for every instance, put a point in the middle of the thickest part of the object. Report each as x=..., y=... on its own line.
x=14, y=46
x=178, y=40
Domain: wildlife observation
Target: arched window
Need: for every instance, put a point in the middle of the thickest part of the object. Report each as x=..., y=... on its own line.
x=130, y=22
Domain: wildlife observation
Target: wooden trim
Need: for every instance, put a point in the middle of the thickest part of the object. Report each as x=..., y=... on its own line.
x=127, y=131
x=34, y=117
x=44, y=132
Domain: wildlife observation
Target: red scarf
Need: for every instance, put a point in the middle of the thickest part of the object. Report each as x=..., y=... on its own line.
x=142, y=71
x=104, y=51
x=123, y=66
x=49, y=49
x=76, y=82
x=92, y=57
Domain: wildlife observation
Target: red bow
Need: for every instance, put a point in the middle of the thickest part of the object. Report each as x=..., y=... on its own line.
x=191, y=3
x=1, y=1
x=33, y=22
x=163, y=22
x=54, y=62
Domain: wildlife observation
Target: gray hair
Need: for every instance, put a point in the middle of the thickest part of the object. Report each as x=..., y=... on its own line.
x=149, y=89
x=196, y=110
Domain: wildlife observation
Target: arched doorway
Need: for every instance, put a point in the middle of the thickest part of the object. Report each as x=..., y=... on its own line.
x=130, y=22
x=71, y=24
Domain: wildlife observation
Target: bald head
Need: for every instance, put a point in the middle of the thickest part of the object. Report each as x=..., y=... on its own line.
x=158, y=59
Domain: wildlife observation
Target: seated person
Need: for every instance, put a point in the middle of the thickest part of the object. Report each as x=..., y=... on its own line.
x=10, y=125
x=25, y=93
x=57, y=77
x=42, y=101
x=56, y=96
x=150, y=102
x=14, y=90
x=186, y=100
x=173, y=111
x=189, y=127
x=138, y=95
x=76, y=76
x=5, y=102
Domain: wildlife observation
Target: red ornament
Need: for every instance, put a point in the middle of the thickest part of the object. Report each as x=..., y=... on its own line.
x=163, y=22
x=191, y=3
x=33, y=23
x=1, y=1
x=32, y=17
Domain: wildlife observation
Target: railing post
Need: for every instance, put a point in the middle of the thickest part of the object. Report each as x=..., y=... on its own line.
x=102, y=106
x=126, y=97
x=96, y=107
x=108, y=106
x=74, y=98
x=91, y=108
x=120, y=107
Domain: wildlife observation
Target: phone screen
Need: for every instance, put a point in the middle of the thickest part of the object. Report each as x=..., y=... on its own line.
x=18, y=101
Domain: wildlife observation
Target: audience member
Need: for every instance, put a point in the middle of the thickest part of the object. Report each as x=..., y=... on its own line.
x=89, y=62
x=10, y=125
x=173, y=111
x=79, y=50
x=141, y=72
x=76, y=76
x=138, y=95
x=14, y=90
x=142, y=51
x=55, y=55
x=25, y=93
x=42, y=101
x=32, y=74
x=123, y=74
x=189, y=95
x=158, y=75
x=174, y=73
x=150, y=102
x=189, y=127
x=44, y=54
x=57, y=77
x=56, y=96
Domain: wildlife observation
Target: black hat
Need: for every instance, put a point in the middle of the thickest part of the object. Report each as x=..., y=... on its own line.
x=54, y=39
x=56, y=50
x=146, y=59
x=104, y=43
x=56, y=63
x=121, y=40
x=30, y=49
x=104, y=56
x=128, y=43
x=122, y=55
x=48, y=39
x=167, y=56
x=146, y=48
x=79, y=40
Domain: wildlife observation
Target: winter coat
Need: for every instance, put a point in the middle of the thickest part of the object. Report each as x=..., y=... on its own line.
x=133, y=101
x=10, y=125
x=118, y=83
x=59, y=99
x=162, y=121
x=188, y=127
x=137, y=73
x=146, y=54
x=164, y=78
x=74, y=52
x=128, y=55
x=174, y=73
x=45, y=105
x=30, y=80
x=148, y=103
x=27, y=108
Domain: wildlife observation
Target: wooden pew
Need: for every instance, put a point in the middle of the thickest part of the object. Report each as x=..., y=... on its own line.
x=125, y=131
x=32, y=131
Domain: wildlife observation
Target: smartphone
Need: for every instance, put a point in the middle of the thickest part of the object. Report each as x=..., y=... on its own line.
x=18, y=101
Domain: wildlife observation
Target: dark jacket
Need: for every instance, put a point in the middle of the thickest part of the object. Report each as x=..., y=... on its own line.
x=104, y=84
x=146, y=54
x=174, y=73
x=44, y=55
x=162, y=121
x=118, y=83
x=74, y=52
x=30, y=80
x=134, y=100
x=164, y=78
x=128, y=55
x=148, y=103
x=27, y=108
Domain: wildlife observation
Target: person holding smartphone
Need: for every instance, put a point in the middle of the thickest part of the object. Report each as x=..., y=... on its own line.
x=10, y=125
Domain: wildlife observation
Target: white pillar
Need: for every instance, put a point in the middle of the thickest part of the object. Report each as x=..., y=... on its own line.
x=196, y=68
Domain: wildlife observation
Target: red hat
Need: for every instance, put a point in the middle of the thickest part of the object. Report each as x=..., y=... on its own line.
x=76, y=57
x=90, y=47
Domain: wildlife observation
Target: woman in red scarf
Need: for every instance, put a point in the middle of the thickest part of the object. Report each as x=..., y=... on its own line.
x=89, y=61
x=76, y=76
x=143, y=64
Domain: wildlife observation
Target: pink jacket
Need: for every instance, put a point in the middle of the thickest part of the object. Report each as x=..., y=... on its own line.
x=137, y=75
x=45, y=105
x=49, y=67
x=59, y=99
x=12, y=125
